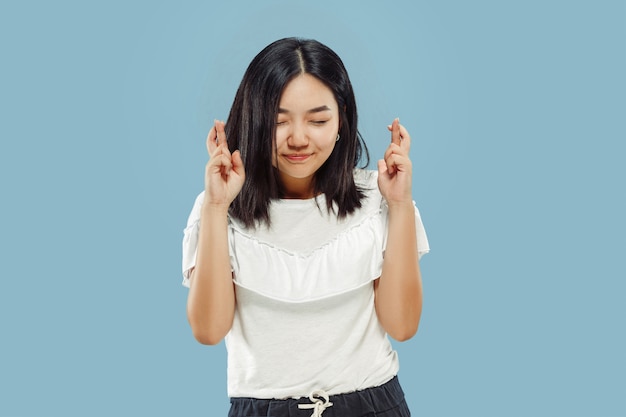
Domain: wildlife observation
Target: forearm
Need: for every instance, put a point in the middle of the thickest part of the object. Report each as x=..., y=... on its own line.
x=399, y=289
x=211, y=300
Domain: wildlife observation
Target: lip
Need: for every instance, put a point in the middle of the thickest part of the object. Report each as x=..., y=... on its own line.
x=297, y=157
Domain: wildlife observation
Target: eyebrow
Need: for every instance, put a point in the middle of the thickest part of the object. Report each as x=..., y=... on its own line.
x=313, y=110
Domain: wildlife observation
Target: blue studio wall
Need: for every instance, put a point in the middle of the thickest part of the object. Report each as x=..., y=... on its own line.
x=517, y=112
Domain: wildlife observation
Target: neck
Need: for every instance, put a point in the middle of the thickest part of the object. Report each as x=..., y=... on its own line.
x=297, y=188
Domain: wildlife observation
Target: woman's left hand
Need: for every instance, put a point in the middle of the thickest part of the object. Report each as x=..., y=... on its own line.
x=395, y=170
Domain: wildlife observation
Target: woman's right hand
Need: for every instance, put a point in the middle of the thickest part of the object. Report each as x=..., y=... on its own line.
x=224, y=174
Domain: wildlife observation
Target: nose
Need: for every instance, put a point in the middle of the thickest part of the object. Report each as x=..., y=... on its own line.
x=297, y=137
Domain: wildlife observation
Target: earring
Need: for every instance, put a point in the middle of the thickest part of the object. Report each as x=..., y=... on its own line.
x=338, y=137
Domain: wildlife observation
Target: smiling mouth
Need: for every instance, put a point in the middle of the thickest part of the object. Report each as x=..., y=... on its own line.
x=297, y=157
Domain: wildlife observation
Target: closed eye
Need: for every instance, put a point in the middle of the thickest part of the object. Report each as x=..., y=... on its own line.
x=319, y=122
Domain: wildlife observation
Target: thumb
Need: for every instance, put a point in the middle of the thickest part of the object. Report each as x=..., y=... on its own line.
x=382, y=167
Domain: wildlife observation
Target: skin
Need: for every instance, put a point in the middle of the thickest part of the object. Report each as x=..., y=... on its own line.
x=398, y=291
x=306, y=131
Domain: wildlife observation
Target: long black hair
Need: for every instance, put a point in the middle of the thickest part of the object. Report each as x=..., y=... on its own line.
x=251, y=128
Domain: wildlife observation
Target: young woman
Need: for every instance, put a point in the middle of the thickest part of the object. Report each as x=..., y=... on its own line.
x=301, y=261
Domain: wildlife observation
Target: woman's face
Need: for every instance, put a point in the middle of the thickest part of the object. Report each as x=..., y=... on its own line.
x=306, y=131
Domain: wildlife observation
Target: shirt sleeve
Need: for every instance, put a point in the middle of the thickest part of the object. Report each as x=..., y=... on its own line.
x=369, y=180
x=190, y=239
x=422, y=240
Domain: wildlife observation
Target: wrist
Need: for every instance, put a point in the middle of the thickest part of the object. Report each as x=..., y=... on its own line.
x=215, y=209
x=403, y=205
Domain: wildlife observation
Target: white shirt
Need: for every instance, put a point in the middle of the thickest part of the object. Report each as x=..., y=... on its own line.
x=305, y=317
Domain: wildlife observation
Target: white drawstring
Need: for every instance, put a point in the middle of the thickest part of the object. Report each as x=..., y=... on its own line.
x=320, y=402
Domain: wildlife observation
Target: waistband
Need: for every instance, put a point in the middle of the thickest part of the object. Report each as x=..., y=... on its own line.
x=371, y=400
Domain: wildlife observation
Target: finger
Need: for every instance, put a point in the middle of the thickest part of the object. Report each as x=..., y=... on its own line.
x=221, y=134
x=395, y=131
x=398, y=163
x=405, y=138
x=221, y=149
x=393, y=148
x=389, y=163
x=382, y=167
x=225, y=150
x=220, y=159
x=210, y=141
x=221, y=164
x=237, y=163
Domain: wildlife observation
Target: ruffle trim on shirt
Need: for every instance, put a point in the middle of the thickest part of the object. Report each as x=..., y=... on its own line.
x=350, y=260
x=355, y=254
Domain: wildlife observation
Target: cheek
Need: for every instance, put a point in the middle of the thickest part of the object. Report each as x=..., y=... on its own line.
x=328, y=140
x=281, y=138
x=326, y=134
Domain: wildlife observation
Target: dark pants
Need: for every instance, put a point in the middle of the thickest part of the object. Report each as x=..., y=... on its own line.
x=386, y=400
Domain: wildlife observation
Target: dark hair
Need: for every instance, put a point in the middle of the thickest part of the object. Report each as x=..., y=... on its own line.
x=251, y=128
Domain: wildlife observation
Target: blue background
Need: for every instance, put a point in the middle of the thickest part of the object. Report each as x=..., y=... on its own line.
x=517, y=112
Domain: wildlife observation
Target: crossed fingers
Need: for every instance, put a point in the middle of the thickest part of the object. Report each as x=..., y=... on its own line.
x=397, y=153
x=217, y=147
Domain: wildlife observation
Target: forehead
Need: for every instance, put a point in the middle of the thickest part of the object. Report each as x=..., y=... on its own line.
x=306, y=91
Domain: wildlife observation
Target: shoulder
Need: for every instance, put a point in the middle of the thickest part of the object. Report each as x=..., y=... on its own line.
x=199, y=199
x=194, y=216
x=366, y=179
